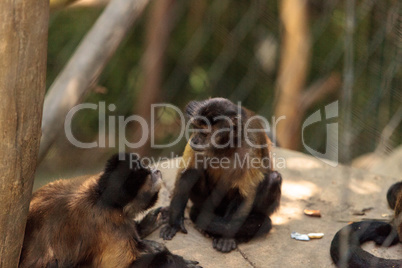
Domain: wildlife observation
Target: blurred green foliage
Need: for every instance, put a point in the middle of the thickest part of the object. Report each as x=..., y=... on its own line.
x=214, y=51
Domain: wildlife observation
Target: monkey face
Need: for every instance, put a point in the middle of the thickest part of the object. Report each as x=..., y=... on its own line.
x=200, y=141
x=212, y=136
x=127, y=184
x=147, y=195
x=216, y=124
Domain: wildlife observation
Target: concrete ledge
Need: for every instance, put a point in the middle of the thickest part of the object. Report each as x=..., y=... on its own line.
x=337, y=192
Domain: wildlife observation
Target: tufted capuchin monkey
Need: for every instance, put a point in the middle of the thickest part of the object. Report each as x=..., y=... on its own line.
x=352, y=236
x=89, y=221
x=226, y=173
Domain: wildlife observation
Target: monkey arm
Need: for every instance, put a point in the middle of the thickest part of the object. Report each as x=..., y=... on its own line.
x=181, y=195
x=178, y=204
x=268, y=194
x=223, y=226
x=152, y=221
x=241, y=226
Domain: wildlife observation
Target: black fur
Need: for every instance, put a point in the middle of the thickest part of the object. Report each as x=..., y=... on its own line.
x=213, y=108
x=162, y=259
x=352, y=236
x=218, y=221
x=355, y=234
x=121, y=180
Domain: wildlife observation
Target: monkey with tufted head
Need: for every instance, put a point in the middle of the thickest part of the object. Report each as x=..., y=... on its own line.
x=231, y=202
x=89, y=221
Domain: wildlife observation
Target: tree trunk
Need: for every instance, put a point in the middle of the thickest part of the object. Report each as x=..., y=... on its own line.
x=158, y=34
x=293, y=70
x=23, y=46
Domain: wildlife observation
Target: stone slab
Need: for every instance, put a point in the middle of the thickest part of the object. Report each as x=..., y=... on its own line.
x=338, y=192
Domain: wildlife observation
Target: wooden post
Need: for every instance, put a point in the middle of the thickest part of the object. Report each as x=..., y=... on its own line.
x=23, y=47
x=158, y=34
x=293, y=70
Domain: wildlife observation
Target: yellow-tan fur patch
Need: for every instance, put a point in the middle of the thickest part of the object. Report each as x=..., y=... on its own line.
x=249, y=182
x=246, y=180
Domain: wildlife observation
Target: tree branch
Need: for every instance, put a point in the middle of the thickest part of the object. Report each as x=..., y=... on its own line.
x=294, y=66
x=319, y=90
x=83, y=69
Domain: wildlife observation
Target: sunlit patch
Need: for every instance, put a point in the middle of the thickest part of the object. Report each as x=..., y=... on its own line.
x=286, y=213
x=279, y=219
x=302, y=163
x=299, y=190
x=364, y=187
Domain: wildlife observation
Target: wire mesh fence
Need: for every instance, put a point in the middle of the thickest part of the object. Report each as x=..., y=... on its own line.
x=236, y=49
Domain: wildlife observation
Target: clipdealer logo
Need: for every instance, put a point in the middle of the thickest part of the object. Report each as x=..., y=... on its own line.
x=330, y=156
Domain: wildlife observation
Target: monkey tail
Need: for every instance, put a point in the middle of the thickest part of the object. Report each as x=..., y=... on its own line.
x=346, y=248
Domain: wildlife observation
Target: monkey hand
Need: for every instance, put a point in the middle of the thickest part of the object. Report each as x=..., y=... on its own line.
x=192, y=264
x=224, y=244
x=169, y=231
x=159, y=215
x=175, y=261
x=164, y=214
x=152, y=221
x=179, y=261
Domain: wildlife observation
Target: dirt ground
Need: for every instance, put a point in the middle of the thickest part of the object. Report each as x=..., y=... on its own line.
x=340, y=193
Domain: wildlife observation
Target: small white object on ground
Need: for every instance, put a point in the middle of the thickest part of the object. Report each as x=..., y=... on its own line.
x=301, y=237
x=306, y=237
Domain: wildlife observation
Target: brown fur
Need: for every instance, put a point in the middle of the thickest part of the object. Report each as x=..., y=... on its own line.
x=72, y=225
x=89, y=221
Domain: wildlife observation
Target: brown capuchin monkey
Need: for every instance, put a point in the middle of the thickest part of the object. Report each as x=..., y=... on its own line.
x=89, y=221
x=355, y=234
x=226, y=173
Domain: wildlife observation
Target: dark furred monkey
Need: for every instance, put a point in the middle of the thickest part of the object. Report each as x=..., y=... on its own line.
x=394, y=197
x=355, y=234
x=231, y=202
x=88, y=221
